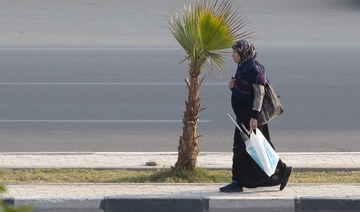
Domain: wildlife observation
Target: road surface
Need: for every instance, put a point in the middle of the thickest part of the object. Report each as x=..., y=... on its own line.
x=104, y=76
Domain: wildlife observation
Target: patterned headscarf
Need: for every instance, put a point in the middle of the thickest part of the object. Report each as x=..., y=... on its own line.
x=246, y=51
x=249, y=71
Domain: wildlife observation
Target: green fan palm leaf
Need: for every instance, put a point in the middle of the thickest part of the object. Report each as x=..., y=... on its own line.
x=206, y=28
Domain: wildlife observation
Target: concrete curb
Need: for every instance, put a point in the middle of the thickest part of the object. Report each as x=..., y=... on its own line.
x=115, y=204
x=182, y=197
x=62, y=204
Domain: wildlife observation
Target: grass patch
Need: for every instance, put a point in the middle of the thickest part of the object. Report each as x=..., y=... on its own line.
x=325, y=177
x=114, y=176
x=157, y=176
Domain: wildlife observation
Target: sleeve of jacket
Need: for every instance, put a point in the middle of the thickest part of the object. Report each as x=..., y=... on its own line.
x=259, y=93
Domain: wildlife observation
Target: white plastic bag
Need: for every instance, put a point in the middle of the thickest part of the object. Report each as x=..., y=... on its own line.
x=259, y=149
x=262, y=152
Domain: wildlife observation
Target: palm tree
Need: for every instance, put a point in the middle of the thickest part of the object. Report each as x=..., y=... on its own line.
x=204, y=31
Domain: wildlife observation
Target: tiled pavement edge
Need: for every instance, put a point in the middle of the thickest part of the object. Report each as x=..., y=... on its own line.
x=137, y=160
x=184, y=197
x=179, y=197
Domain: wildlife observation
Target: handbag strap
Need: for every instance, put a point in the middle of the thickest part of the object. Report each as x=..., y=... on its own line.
x=261, y=69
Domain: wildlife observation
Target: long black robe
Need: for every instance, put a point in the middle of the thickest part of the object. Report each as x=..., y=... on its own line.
x=245, y=170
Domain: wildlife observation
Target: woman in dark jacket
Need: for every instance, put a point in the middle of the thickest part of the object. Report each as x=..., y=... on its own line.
x=247, y=95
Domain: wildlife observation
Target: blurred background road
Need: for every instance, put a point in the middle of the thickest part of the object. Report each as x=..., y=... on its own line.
x=104, y=76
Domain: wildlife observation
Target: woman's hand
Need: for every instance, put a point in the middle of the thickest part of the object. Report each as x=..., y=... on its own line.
x=232, y=84
x=253, y=124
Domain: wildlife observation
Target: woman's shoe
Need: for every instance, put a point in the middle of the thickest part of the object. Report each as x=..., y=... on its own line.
x=232, y=187
x=286, y=178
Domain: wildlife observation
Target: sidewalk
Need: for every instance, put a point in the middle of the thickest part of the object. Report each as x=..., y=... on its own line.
x=179, y=197
x=311, y=161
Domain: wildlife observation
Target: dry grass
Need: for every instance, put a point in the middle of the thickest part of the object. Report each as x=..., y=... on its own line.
x=157, y=176
x=325, y=177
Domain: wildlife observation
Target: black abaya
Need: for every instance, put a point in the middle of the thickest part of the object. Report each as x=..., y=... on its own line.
x=245, y=170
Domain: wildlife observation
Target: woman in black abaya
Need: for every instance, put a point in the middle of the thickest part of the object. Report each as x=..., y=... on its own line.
x=247, y=95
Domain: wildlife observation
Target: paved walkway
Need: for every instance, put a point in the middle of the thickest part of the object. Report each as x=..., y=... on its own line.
x=179, y=197
x=178, y=190
x=137, y=160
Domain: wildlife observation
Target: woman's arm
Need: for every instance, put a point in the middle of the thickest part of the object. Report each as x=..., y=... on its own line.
x=259, y=93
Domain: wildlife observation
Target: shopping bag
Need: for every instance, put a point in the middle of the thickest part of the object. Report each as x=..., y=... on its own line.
x=262, y=152
x=259, y=149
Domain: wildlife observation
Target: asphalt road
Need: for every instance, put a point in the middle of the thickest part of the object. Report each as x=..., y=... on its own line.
x=80, y=88
x=132, y=100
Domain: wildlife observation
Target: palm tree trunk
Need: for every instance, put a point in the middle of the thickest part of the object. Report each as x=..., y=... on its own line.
x=188, y=144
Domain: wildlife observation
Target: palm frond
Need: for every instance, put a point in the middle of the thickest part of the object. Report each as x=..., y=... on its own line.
x=207, y=28
x=218, y=58
x=213, y=33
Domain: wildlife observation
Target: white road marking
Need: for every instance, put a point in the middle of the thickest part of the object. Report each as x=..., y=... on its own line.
x=115, y=83
x=91, y=49
x=97, y=121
